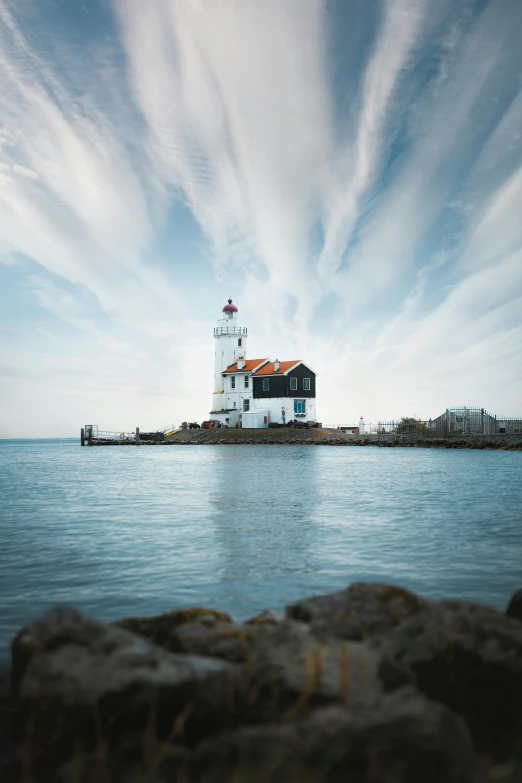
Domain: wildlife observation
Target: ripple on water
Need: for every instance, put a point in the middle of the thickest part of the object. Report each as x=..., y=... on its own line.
x=139, y=531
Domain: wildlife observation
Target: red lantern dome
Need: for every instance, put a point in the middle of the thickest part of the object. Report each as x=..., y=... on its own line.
x=230, y=308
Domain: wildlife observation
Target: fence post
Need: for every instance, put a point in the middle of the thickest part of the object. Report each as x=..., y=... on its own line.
x=137, y=436
x=447, y=422
x=82, y=436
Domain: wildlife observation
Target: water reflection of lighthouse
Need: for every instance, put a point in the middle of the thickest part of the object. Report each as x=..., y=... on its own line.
x=252, y=540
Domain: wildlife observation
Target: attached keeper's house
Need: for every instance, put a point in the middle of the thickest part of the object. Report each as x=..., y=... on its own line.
x=256, y=392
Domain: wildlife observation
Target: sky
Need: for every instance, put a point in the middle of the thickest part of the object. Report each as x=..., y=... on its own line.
x=350, y=174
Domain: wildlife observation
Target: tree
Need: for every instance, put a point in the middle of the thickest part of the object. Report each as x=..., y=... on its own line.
x=411, y=424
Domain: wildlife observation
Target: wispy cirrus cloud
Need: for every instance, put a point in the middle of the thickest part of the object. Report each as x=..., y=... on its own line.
x=367, y=221
x=72, y=181
x=399, y=34
x=245, y=135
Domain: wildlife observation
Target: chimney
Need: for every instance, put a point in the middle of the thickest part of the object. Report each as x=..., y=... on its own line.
x=240, y=364
x=276, y=365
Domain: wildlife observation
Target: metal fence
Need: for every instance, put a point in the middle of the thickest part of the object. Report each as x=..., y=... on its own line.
x=453, y=422
x=404, y=426
x=509, y=426
x=474, y=421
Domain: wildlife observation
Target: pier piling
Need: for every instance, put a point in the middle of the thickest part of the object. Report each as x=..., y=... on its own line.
x=137, y=436
x=82, y=436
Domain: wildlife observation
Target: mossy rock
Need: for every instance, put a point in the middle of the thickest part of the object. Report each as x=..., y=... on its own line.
x=159, y=628
x=229, y=641
x=362, y=611
x=267, y=617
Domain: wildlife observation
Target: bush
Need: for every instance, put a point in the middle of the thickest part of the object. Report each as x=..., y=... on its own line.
x=411, y=424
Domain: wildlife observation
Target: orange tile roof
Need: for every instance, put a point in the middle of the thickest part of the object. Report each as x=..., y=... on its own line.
x=269, y=369
x=250, y=366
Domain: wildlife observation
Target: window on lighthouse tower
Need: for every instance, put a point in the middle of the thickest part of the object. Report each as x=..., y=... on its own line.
x=239, y=342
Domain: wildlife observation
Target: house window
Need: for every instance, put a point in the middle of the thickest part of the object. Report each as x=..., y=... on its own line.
x=266, y=384
x=239, y=342
x=232, y=381
x=247, y=382
x=246, y=405
x=293, y=384
x=306, y=384
x=299, y=407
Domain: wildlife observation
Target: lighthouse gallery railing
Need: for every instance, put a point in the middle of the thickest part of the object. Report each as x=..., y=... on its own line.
x=230, y=330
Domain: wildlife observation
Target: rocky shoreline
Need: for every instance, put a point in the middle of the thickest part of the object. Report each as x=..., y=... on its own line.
x=323, y=437
x=373, y=683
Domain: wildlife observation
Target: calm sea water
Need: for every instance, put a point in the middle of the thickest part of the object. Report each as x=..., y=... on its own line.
x=136, y=531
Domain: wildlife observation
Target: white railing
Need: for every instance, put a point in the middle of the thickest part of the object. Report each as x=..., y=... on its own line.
x=107, y=435
x=170, y=429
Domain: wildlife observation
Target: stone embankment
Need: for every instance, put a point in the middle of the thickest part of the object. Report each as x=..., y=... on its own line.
x=318, y=437
x=373, y=684
x=326, y=437
x=280, y=435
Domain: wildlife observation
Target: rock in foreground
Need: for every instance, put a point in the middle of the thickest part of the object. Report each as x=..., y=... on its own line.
x=468, y=657
x=403, y=738
x=361, y=611
x=160, y=628
x=80, y=682
x=370, y=684
x=514, y=608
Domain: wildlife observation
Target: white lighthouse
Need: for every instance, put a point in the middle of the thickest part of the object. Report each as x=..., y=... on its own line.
x=230, y=340
x=253, y=393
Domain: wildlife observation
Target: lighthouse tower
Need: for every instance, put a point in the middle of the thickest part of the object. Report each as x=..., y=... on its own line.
x=231, y=345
